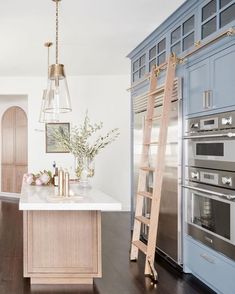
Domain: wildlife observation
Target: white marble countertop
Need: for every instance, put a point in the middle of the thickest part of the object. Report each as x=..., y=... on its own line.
x=45, y=198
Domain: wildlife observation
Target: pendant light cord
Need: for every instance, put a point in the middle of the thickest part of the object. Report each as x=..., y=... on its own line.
x=48, y=45
x=57, y=31
x=48, y=60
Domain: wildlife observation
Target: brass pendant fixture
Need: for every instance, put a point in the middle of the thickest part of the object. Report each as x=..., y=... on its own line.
x=45, y=117
x=57, y=95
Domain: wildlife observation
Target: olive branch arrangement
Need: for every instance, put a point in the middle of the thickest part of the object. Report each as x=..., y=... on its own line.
x=80, y=140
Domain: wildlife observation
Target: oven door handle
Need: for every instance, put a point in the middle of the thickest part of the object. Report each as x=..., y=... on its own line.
x=227, y=196
x=229, y=135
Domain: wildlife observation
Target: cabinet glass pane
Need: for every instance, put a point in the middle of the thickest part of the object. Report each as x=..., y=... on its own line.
x=142, y=60
x=176, y=48
x=209, y=28
x=227, y=15
x=175, y=35
x=161, y=58
x=152, y=63
x=188, y=25
x=142, y=71
x=161, y=46
x=136, y=65
x=208, y=10
x=188, y=41
x=223, y=3
x=152, y=52
x=135, y=76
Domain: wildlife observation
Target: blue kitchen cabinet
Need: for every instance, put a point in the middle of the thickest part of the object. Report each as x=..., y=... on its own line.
x=222, y=67
x=213, y=268
x=210, y=83
x=197, y=84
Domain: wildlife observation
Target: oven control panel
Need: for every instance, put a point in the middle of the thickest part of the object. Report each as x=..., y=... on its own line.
x=219, y=121
x=220, y=178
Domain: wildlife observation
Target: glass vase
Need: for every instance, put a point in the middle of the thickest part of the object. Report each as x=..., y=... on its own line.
x=85, y=170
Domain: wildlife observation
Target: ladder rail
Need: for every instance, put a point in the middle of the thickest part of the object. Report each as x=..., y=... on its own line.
x=144, y=159
x=160, y=165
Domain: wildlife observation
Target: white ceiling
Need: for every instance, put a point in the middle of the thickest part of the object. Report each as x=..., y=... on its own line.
x=95, y=35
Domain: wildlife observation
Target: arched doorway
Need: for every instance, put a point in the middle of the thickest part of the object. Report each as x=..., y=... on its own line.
x=14, y=148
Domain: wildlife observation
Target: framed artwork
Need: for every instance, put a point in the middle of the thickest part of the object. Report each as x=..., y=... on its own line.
x=52, y=145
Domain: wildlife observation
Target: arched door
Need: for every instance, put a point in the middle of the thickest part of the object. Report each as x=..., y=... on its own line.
x=14, y=149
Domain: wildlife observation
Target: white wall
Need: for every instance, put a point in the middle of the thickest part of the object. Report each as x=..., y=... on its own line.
x=107, y=100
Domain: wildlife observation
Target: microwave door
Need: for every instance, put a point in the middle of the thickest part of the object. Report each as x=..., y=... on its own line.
x=214, y=154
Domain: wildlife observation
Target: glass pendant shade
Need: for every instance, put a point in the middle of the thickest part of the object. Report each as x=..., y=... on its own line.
x=57, y=95
x=45, y=117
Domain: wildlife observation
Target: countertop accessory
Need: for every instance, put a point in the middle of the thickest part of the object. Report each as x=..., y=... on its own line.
x=61, y=182
x=66, y=184
x=41, y=178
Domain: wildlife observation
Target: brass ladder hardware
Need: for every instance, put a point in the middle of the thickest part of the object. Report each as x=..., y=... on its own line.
x=157, y=169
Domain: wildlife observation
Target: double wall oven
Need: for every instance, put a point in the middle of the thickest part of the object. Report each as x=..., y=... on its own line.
x=210, y=181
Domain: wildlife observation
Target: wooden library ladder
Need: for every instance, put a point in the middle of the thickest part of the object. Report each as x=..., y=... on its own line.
x=158, y=169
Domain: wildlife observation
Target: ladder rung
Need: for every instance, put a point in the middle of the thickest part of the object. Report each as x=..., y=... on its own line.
x=147, y=168
x=140, y=245
x=143, y=220
x=145, y=194
x=154, y=118
x=151, y=143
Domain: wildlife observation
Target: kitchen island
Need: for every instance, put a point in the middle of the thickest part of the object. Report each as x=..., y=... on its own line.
x=62, y=236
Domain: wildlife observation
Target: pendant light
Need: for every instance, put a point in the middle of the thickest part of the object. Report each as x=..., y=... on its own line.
x=47, y=117
x=57, y=95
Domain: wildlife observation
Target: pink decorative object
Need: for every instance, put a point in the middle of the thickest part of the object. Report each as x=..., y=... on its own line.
x=29, y=180
x=39, y=179
x=45, y=178
x=38, y=182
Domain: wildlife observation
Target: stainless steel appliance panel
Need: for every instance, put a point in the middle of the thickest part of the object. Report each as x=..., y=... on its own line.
x=210, y=141
x=169, y=232
x=215, y=153
x=222, y=121
x=210, y=202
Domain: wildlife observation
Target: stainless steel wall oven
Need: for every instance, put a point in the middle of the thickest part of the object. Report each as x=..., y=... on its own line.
x=210, y=181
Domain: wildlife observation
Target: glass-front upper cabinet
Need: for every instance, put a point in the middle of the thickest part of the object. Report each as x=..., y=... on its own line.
x=157, y=54
x=227, y=12
x=139, y=68
x=215, y=15
x=161, y=51
x=183, y=37
x=176, y=41
x=188, y=33
x=152, y=57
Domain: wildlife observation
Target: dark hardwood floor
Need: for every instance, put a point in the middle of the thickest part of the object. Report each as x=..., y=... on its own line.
x=120, y=276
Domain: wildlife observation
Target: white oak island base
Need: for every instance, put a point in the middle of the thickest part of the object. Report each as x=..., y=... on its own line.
x=62, y=247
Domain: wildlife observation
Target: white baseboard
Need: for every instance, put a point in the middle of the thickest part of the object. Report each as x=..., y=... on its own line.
x=9, y=195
